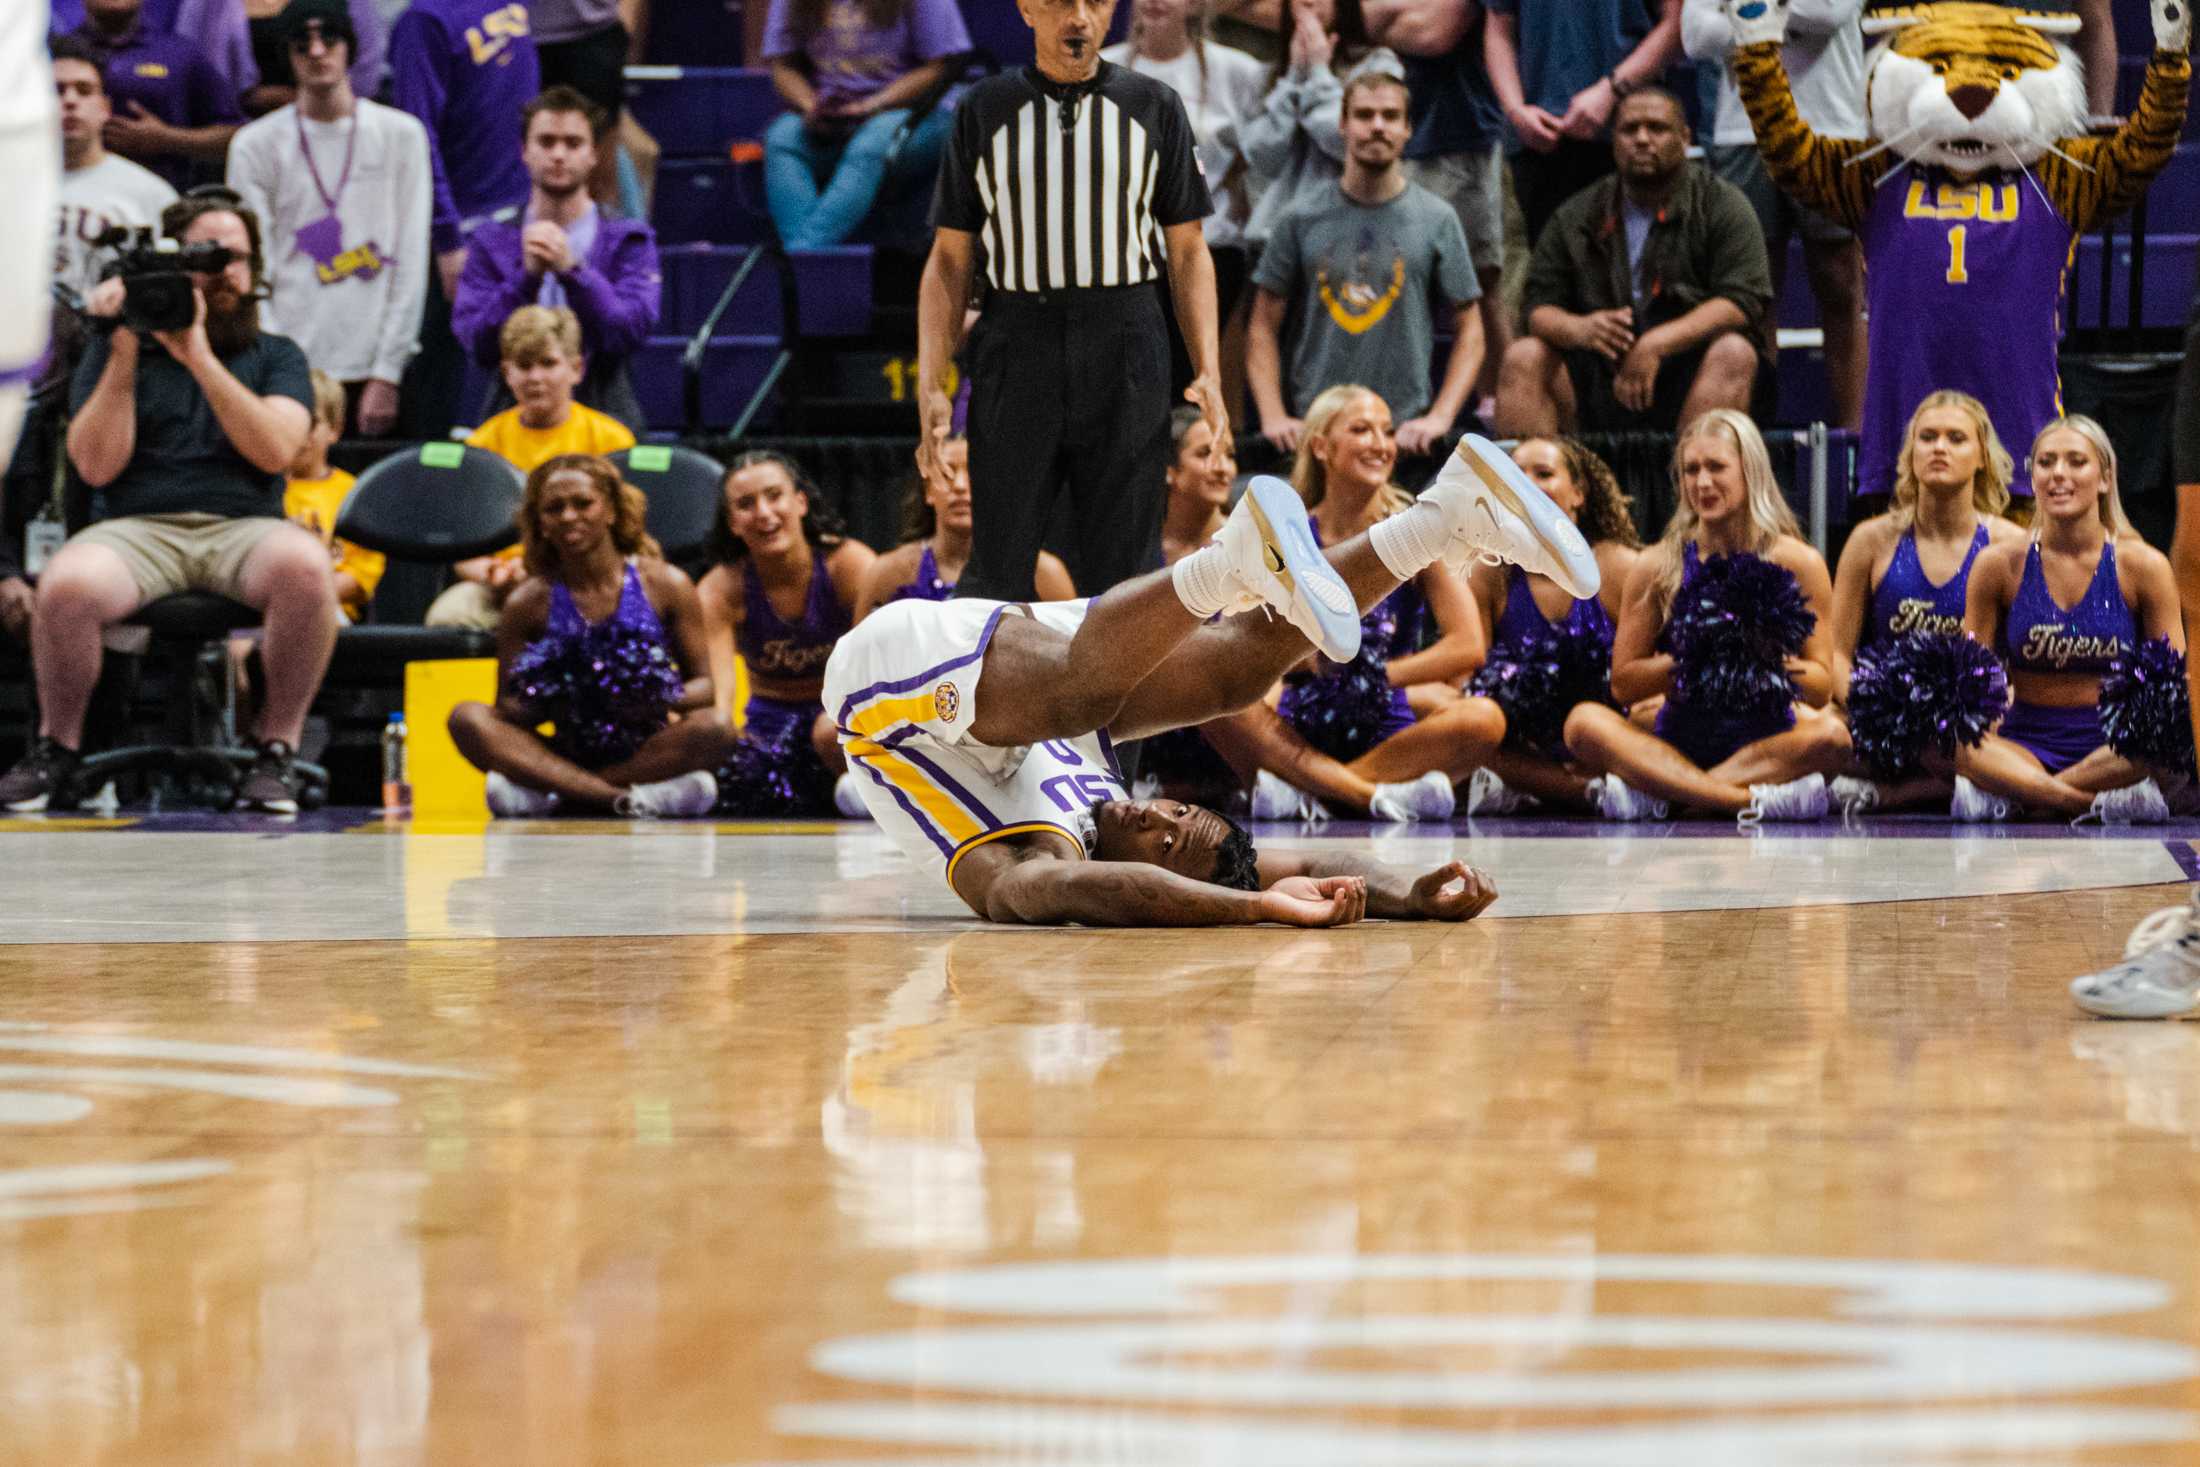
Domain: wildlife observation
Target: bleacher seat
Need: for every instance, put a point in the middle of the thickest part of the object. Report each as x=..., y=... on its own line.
x=683, y=488
x=695, y=111
x=697, y=33
x=732, y=369
x=2167, y=289
x=701, y=200
x=833, y=288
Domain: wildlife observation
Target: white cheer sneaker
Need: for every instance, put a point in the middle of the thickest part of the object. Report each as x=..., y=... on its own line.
x=1430, y=797
x=1495, y=512
x=1270, y=555
x=1798, y=799
x=1616, y=799
x=2159, y=977
x=510, y=801
x=680, y=798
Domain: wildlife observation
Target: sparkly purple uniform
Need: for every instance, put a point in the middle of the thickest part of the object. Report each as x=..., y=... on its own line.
x=774, y=771
x=1905, y=601
x=2000, y=248
x=601, y=718
x=1347, y=709
x=1522, y=618
x=2039, y=636
x=925, y=585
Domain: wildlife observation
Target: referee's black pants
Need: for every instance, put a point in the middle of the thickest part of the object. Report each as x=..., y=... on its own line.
x=1069, y=390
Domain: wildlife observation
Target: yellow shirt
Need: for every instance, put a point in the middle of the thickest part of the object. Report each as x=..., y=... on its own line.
x=313, y=503
x=584, y=431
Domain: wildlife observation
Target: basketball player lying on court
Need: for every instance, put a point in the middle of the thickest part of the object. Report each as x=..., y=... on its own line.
x=983, y=731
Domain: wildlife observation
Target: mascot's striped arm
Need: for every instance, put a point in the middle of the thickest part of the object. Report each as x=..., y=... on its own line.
x=2117, y=168
x=1820, y=172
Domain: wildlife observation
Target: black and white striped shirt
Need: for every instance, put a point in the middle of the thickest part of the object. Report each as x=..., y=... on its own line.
x=1070, y=187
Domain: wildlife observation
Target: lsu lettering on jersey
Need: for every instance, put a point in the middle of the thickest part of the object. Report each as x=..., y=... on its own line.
x=903, y=690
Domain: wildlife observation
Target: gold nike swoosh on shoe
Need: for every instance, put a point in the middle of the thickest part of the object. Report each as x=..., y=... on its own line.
x=1505, y=496
x=1276, y=565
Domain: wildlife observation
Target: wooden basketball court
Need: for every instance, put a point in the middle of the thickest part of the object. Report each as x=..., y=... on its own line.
x=711, y=1147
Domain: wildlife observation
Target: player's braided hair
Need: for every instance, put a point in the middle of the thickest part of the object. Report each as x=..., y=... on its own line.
x=1236, y=863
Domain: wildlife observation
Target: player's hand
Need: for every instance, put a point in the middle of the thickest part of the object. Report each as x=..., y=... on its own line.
x=190, y=344
x=1422, y=434
x=1315, y=901
x=1454, y=892
x=1205, y=393
x=1283, y=433
x=1610, y=334
x=1539, y=131
x=1637, y=383
x=2173, y=25
x=935, y=424
x=377, y=408
x=1756, y=22
x=1590, y=109
x=17, y=602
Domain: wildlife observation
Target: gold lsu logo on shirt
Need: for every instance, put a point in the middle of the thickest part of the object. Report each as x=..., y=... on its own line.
x=363, y=261
x=1981, y=201
x=492, y=39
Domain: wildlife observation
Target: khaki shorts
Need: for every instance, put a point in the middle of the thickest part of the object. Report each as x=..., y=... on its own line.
x=1474, y=185
x=168, y=553
x=465, y=604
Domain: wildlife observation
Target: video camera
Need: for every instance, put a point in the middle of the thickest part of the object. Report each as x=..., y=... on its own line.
x=156, y=278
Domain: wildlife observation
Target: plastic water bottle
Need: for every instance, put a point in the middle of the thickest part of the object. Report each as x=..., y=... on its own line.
x=397, y=794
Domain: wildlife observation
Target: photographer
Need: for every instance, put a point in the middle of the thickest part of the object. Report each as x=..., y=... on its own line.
x=186, y=415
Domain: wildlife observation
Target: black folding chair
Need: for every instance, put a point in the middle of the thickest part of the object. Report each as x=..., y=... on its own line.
x=684, y=487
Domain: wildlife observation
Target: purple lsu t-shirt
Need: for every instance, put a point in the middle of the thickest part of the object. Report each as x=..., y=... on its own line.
x=1965, y=292
x=850, y=58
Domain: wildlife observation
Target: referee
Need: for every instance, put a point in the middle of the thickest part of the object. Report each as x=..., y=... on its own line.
x=1073, y=176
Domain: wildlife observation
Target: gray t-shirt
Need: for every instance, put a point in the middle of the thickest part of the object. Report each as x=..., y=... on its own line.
x=1366, y=279
x=1637, y=221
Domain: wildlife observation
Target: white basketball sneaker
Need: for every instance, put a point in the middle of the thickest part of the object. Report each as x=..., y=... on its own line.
x=1496, y=513
x=2159, y=977
x=1489, y=795
x=1973, y=806
x=679, y=798
x=509, y=801
x=1430, y=797
x=1853, y=796
x=2134, y=804
x=1270, y=555
x=1798, y=799
x=848, y=798
x=1615, y=799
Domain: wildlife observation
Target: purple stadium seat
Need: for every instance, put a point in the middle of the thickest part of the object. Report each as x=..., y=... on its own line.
x=833, y=289
x=732, y=369
x=695, y=111
x=2168, y=287
x=696, y=33
x=705, y=199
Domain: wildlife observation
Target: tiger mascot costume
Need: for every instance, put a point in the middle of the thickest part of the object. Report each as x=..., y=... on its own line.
x=1969, y=196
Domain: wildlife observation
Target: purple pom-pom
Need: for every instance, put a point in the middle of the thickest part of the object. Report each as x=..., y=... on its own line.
x=1731, y=630
x=1347, y=709
x=2146, y=706
x=1541, y=679
x=1928, y=690
x=607, y=690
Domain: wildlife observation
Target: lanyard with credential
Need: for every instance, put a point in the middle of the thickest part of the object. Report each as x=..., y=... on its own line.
x=323, y=240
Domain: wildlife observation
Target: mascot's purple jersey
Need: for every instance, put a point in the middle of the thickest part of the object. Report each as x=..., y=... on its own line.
x=1999, y=251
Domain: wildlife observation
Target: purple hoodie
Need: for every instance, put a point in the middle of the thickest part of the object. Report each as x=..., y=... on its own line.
x=465, y=68
x=615, y=292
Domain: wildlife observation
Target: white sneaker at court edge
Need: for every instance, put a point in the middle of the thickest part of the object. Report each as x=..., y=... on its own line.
x=2159, y=977
x=1430, y=797
x=1489, y=795
x=510, y=801
x=1798, y=799
x=1615, y=799
x=678, y=798
x=1973, y=806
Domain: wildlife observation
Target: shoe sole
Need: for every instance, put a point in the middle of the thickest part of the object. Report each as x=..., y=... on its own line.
x=1533, y=508
x=1293, y=558
x=2158, y=1009
x=34, y=806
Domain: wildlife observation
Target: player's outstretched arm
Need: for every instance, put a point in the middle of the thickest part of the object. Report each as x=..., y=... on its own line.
x=1453, y=892
x=1004, y=883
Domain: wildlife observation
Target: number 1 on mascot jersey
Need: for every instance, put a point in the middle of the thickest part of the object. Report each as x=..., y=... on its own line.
x=1978, y=176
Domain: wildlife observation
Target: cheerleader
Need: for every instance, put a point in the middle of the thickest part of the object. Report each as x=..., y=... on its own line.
x=2061, y=606
x=936, y=542
x=605, y=642
x=782, y=593
x=1532, y=619
x=1348, y=735
x=1906, y=573
x=1764, y=759
x=1183, y=763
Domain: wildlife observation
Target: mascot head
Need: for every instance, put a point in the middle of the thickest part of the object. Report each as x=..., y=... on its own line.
x=1971, y=87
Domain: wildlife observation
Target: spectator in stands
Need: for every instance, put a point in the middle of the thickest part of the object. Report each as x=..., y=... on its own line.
x=1457, y=152
x=99, y=190
x=187, y=436
x=1560, y=68
x=1221, y=87
x=935, y=541
x=342, y=187
x=464, y=67
x=1367, y=263
x=1825, y=64
x=219, y=28
x=271, y=24
x=1758, y=765
x=601, y=598
x=585, y=47
x=1351, y=735
x=542, y=364
x=315, y=494
x=783, y=593
x=1294, y=145
x=174, y=111
x=850, y=69
x=563, y=252
x=1649, y=300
